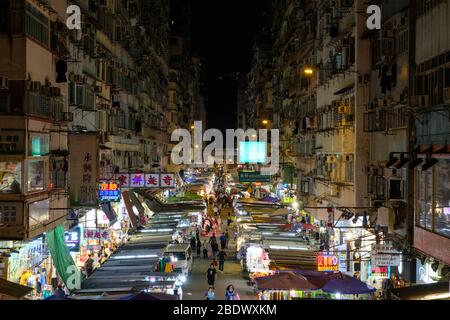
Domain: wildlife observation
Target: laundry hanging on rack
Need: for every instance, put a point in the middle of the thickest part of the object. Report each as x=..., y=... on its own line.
x=388, y=76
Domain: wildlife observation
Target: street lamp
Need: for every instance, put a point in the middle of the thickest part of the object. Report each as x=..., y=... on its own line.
x=265, y=122
x=308, y=71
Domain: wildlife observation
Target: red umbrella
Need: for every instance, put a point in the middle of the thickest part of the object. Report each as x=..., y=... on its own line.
x=285, y=281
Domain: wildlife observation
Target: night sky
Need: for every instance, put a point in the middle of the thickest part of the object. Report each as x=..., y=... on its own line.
x=222, y=36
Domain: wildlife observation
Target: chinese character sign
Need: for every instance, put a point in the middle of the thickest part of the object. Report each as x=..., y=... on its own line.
x=137, y=180
x=327, y=262
x=124, y=179
x=152, y=180
x=96, y=234
x=109, y=191
x=83, y=166
x=167, y=180
x=146, y=180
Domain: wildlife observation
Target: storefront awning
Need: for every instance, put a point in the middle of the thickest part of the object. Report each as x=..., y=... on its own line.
x=432, y=291
x=344, y=90
x=12, y=289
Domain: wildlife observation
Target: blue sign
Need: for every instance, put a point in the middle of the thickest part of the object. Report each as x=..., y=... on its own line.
x=73, y=239
x=109, y=191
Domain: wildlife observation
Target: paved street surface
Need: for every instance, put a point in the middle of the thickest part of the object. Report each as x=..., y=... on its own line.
x=197, y=285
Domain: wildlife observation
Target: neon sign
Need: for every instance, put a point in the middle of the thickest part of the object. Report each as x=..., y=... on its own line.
x=109, y=191
x=326, y=262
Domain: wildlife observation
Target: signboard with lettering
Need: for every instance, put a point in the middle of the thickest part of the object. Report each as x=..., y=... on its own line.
x=327, y=262
x=96, y=234
x=152, y=180
x=137, y=180
x=109, y=191
x=382, y=272
x=385, y=255
x=167, y=180
x=83, y=166
x=73, y=239
x=252, y=176
x=146, y=180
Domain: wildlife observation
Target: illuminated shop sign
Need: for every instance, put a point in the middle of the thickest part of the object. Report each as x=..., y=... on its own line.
x=73, y=239
x=252, y=152
x=109, y=191
x=326, y=262
x=147, y=180
x=383, y=272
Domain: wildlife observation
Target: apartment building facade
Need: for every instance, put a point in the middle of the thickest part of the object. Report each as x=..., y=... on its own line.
x=34, y=119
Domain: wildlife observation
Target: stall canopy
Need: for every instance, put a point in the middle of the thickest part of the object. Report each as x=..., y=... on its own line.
x=60, y=254
x=343, y=284
x=12, y=289
x=432, y=291
x=149, y=296
x=285, y=281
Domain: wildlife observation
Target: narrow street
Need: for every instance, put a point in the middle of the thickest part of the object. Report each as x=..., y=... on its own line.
x=196, y=285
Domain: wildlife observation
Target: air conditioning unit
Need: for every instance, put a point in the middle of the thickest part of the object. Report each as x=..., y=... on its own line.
x=98, y=89
x=68, y=116
x=334, y=190
x=447, y=95
x=55, y=91
x=4, y=83
x=35, y=86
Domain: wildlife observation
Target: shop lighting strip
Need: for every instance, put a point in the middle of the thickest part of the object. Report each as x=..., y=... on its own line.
x=143, y=256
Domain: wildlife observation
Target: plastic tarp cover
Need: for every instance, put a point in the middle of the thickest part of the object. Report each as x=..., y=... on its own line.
x=60, y=254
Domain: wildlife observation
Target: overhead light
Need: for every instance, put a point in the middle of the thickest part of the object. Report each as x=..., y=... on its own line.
x=143, y=256
x=392, y=161
x=403, y=161
x=308, y=71
x=429, y=162
x=265, y=122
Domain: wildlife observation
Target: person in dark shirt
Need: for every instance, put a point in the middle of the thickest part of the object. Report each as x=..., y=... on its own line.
x=221, y=256
x=211, y=275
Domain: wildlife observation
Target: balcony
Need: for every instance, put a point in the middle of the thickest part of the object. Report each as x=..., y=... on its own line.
x=32, y=103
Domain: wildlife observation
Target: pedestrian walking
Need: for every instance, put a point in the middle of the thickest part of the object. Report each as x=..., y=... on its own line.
x=229, y=219
x=210, y=294
x=211, y=275
x=231, y=293
x=214, y=249
x=199, y=246
x=89, y=264
x=222, y=254
x=205, y=253
x=223, y=241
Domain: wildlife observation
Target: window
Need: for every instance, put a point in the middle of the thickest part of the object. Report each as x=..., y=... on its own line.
x=36, y=175
x=10, y=177
x=442, y=197
x=39, y=213
x=402, y=43
x=37, y=25
x=433, y=198
x=8, y=213
x=40, y=145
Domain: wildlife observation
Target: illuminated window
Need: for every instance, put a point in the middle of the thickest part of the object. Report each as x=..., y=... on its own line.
x=10, y=177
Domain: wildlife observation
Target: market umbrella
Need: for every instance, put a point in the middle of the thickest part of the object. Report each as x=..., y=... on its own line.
x=285, y=281
x=270, y=199
x=343, y=284
x=149, y=296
